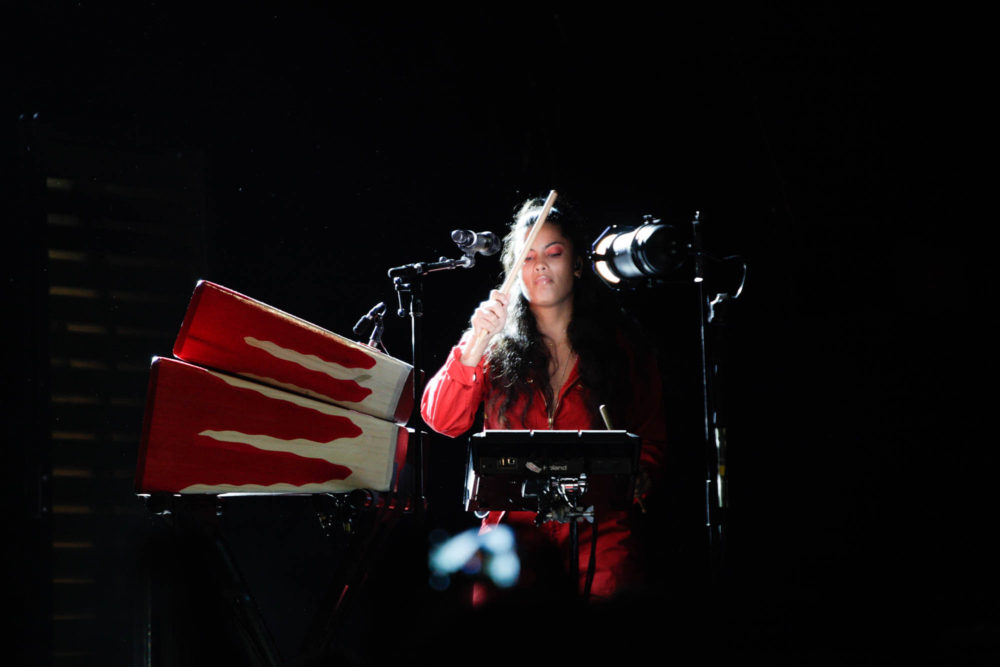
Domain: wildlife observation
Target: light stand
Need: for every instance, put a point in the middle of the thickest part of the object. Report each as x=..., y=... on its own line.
x=630, y=257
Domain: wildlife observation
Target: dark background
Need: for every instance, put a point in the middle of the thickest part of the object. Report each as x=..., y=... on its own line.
x=833, y=148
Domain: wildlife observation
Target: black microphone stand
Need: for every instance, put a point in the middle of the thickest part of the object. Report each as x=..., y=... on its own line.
x=408, y=283
x=411, y=499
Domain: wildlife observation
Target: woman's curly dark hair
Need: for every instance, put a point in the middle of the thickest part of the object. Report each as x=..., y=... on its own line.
x=519, y=359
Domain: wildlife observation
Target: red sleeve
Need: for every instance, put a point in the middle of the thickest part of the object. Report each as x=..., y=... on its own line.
x=453, y=395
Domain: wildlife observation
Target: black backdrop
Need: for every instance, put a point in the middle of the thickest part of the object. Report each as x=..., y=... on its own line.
x=830, y=147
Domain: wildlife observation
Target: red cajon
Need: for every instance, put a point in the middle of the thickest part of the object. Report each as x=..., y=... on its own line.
x=234, y=333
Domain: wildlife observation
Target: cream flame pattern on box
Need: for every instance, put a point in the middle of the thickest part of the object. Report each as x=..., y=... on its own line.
x=208, y=432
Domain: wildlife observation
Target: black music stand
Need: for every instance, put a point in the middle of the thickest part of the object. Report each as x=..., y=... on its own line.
x=562, y=476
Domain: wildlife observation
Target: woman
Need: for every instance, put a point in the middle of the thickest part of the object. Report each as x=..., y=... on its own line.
x=554, y=351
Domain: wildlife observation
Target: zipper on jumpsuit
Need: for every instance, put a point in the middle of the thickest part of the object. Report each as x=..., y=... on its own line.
x=555, y=408
x=550, y=527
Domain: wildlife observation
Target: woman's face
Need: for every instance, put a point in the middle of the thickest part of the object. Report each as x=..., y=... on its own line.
x=547, y=275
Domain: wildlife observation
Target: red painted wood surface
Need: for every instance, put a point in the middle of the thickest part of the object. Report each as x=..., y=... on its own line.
x=207, y=432
x=228, y=331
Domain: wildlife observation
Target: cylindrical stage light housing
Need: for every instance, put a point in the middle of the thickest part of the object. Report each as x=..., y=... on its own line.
x=628, y=254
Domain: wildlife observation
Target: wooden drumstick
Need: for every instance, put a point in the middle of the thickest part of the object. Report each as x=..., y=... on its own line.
x=515, y=269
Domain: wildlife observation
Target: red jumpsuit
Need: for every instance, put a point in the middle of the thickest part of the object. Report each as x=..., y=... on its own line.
x=449, y=406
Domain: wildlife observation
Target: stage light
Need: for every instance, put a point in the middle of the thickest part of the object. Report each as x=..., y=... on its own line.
x=623, y=256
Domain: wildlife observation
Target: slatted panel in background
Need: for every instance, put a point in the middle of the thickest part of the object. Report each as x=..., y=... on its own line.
x=124, y=234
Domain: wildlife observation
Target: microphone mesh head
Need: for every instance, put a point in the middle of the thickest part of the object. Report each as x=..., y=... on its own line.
x=492, y=244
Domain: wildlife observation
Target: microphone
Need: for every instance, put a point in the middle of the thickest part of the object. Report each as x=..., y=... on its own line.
x=367, y=321
x=485, y=243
